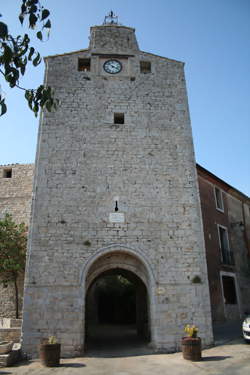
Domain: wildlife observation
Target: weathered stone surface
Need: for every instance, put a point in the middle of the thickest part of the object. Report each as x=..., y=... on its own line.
x=10, y=329
x=10, y=334
x=16, y=191
x=10, y=323
x=85, y=163
x=15, y=199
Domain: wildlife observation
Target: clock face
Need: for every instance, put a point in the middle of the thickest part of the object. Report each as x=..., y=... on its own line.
x=112, y=66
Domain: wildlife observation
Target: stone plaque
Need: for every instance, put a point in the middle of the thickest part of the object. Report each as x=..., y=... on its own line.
x=160, y=290
x=116, y=217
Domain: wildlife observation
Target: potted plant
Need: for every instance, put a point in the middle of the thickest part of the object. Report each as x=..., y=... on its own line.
x=50, y=352
x=191, y=344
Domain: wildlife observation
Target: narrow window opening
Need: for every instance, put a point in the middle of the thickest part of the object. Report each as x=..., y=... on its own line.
x=118, y=118
x=145, y=66
x=226, y=253
x=229, y=290
x=7, y=173
x=84, y=65
x=116, y=206
x=218, y=199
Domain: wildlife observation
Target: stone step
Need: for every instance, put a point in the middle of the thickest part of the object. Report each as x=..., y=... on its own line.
x=12, y=357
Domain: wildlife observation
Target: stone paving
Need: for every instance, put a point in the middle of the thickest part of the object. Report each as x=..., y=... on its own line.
x=232, y=358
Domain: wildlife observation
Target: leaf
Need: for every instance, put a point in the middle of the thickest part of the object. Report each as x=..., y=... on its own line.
x=32, y=20
x=8, y=54
x=39, y=91
x=3, y=30
x=48, y=106
x=45, y=14
x=17, y=62
x=37, y=60
x=26, y=39
x=32, y=50
x=21, y=18
x=23, y=8
x=22, y=69
x=27, y=94
x=3, y=108
x=36, y=109
x=33, y=8
x=39, y=35
x=12, y=76
x=30, y=104
x=47, y=24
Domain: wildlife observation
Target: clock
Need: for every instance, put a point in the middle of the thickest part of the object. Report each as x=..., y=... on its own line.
x=112, y=66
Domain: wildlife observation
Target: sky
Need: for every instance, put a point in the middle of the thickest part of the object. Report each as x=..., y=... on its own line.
x=212, y=37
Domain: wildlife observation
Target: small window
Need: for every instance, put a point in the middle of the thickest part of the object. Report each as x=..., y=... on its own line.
x=84, y=65
x=218, y=199
x=7, y=173
x=226, y=253
x=229, y=290
x=145, y=66
x=118, y=118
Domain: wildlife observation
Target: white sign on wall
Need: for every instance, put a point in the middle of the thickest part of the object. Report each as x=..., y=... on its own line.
x=116, y=217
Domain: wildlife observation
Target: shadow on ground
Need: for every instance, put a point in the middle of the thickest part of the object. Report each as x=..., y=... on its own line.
x=108, y=341
x=72, y=365
x=215, y=358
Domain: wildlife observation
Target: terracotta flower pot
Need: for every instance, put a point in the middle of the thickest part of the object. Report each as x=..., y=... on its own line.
x=50, y=354
x=191, y=348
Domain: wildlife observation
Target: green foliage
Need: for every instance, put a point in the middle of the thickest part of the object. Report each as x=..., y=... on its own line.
x=87, y=243
x=16, y=53
x=191, y=330
x=13, y=242
x=196, y=280
x=52, y=340
x=115, y=284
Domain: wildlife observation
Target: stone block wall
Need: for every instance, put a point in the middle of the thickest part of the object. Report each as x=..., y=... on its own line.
x=10, y=329
x=15, y=199
x=16, y=191
x=86, y=165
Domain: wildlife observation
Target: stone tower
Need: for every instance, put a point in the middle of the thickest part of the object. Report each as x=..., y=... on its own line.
x=115, y=190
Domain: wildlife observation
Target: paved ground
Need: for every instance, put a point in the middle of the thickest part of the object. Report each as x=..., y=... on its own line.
x=230, y=357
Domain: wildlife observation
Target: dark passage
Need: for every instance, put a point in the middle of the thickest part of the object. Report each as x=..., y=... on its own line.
x=116, y=300
x=116, y=311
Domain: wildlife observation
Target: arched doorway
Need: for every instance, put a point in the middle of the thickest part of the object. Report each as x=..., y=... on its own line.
x=116, y=303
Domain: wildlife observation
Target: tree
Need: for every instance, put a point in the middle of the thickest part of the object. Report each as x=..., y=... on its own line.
x=13, y=243
x=16, y=53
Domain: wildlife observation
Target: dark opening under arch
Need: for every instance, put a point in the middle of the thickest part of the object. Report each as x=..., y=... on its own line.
x=116, y=312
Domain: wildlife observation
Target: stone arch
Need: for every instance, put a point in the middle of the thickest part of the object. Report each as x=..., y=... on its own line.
x=117, y=257
x=138, y=254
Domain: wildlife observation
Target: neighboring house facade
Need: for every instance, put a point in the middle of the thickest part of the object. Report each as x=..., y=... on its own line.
x=226, y=223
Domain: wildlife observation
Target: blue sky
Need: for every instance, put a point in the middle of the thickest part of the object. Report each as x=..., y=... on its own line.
x=212, y=37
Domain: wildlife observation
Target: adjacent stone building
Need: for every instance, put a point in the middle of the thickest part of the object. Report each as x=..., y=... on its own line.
x=115, y=193
x=16, y=190
x=15, y=198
